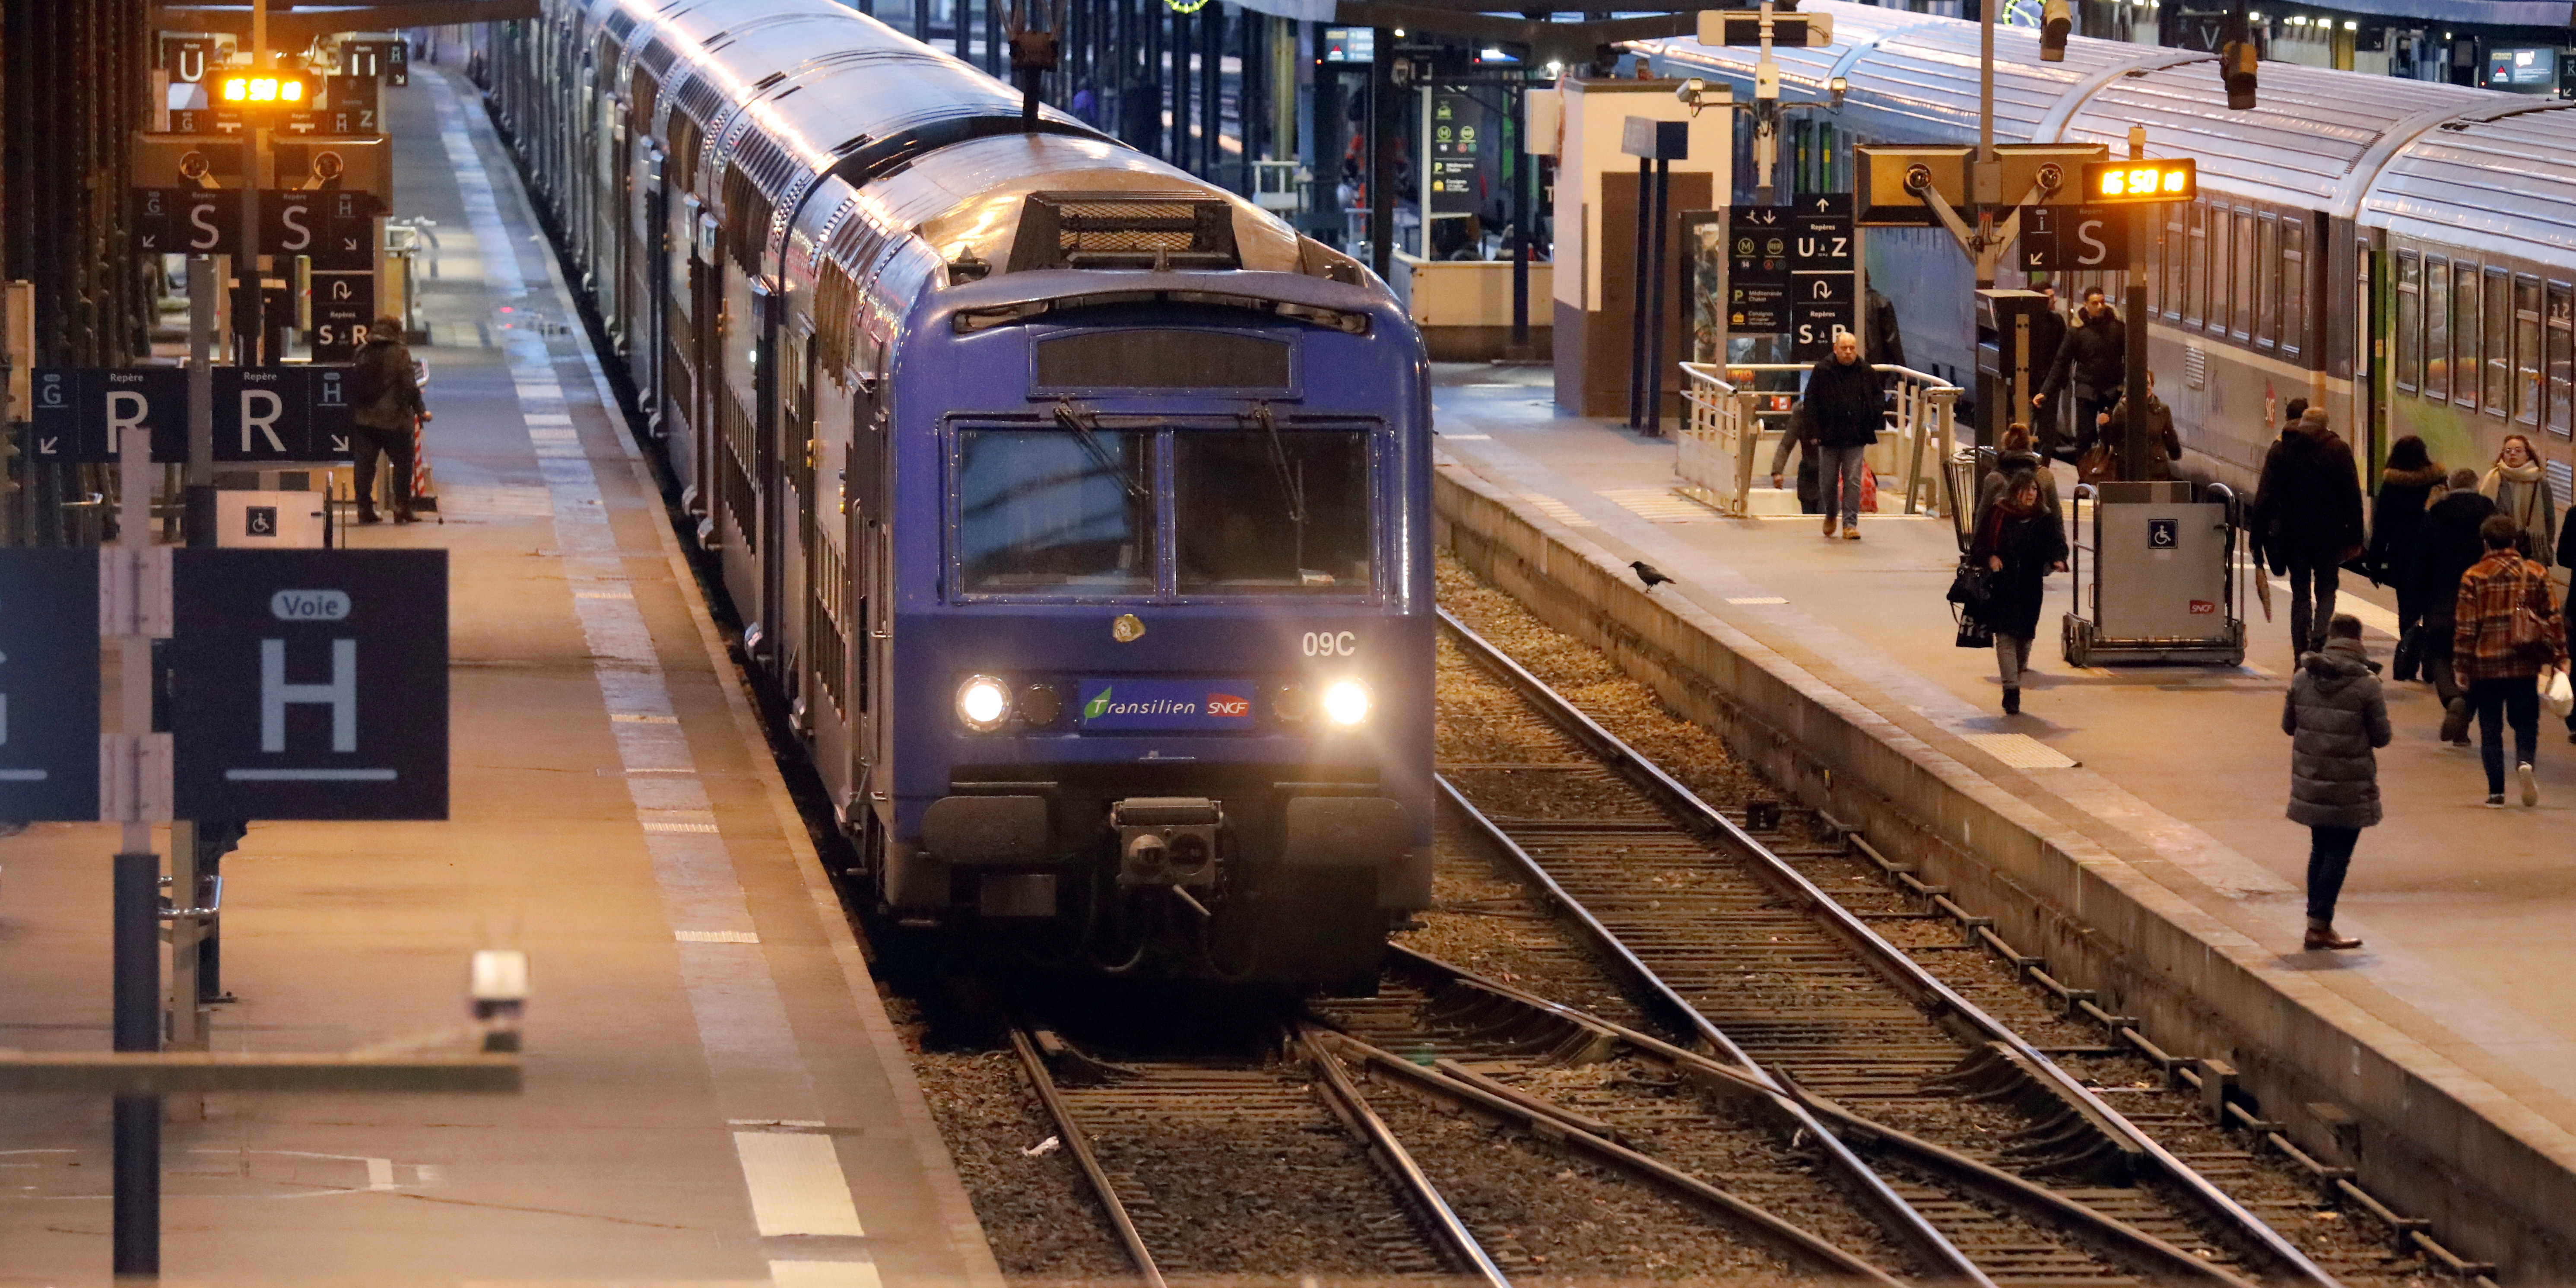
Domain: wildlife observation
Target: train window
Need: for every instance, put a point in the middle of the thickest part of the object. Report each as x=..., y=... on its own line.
x=2241, y=293
x=2437, y=327
x=2410, y=320
x=2267, y=282
x=1165, y=359
x=1054, y=512
x=2294, y=284
x=836, y=321
x=2559, y=334
x=1271, y=512
x=2222, y=267
x=2526, y=349
x=2464, y=334
x=2195, y=271
x=2171, y=256
x=2497, y=351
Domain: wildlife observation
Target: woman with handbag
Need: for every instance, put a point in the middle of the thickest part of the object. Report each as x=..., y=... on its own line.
x=2506, y=633
x=2520, y=489
x=2019, y=542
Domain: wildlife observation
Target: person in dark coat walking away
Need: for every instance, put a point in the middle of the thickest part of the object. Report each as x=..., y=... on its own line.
x=2446, y=546
x=1849, y=403
x=2496, y=668
x=2092, y=361
x=1799, y=437
x=2019, y=542
x=2016, y=463
x=2164, y=446
x=2408, y=485
x=2520, y=489
x=1886, y=341
x=2047, y=332
x=2337, y=720
x=2307, y=520
x=384, y=394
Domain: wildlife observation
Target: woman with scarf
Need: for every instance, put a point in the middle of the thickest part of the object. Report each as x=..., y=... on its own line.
x=2019, y=542
x=2521, y=492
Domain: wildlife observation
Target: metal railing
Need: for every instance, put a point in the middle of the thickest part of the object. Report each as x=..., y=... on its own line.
x=1731, y=427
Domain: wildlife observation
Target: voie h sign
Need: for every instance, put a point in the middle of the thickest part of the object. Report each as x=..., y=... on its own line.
x=309, y=684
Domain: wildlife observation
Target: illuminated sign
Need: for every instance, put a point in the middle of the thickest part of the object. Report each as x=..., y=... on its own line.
x=255, y=91
x=2108, y=182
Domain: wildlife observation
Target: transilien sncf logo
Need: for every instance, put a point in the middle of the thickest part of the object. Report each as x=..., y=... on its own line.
x=1098, y=706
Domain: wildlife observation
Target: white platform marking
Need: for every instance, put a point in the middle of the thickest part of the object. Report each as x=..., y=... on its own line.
x=796, y=1185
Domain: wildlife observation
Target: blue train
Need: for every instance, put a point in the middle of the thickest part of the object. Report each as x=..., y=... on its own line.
x=1079, y=509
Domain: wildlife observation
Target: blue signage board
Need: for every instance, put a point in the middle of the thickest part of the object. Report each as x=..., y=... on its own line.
x=49, y=684
x=309, y=684
x=1164, y=704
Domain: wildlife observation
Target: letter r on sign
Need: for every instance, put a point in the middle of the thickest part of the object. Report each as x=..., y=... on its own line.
x=276, y=695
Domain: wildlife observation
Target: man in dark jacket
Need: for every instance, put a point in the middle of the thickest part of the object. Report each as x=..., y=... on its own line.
x=2337, y=719
x=2047, y=332
x=1886, y=339
x=384, y=394
x=2092, y=362
x=1849, y=405
x=2446, y=546
x=2307, y=521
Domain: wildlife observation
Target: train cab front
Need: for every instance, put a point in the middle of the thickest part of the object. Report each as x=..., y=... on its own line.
x=1179, y=671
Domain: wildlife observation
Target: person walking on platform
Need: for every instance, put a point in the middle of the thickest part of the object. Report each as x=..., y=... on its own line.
x=1801, y=438
x=2019, y=542
x=2017, y=462
x=2337, y=719
x=384, y=393
x=2447, y=545
x=2164, y=446
x=2506, y=629
x=2307, y=521
x=2408, y=486
x=1849, y=403
x=2092, y=362
x=2521, y=491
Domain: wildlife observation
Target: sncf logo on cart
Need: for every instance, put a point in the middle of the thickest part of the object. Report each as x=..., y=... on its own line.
x=1165, y=704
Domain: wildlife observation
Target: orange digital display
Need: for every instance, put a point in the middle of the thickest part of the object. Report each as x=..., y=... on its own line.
x=2111, y=182
x=265, y=89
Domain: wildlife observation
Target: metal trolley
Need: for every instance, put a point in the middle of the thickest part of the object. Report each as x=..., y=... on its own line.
x=2167, y=575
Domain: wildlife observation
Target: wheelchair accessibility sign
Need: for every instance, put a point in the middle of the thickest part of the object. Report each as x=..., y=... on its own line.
x=2164, y=534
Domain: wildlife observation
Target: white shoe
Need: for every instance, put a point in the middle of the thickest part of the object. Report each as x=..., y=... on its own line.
x=2530, y=785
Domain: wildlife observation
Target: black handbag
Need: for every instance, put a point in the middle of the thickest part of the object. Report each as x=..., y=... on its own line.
x=1971, y=586
x=1974, y=633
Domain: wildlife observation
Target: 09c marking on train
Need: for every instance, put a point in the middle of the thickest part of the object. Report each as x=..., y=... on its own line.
x=1332, y=644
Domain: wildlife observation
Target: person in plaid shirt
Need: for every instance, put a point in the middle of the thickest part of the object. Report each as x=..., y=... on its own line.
x=2499, y=676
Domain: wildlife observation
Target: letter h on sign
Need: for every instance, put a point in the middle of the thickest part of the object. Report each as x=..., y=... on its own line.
x=341, y=695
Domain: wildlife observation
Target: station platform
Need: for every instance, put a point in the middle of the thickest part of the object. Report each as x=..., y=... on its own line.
x=2180, y=773
x=713, y=1091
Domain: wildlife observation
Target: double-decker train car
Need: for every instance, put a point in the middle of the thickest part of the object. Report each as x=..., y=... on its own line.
x=1079, y=510
x=2400, y=252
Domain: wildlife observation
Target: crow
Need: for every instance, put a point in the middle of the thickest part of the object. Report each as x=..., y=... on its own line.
x=1648, y=573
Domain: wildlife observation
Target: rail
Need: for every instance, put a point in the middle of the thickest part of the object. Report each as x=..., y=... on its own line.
x=1928, y=992
x=1079, y=1144
x=1729, y=427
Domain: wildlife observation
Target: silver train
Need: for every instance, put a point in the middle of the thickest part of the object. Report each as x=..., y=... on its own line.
x=2399, y=252
x=1078, y=509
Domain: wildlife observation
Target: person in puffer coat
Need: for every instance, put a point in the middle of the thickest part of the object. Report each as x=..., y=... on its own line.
x=2336, y=719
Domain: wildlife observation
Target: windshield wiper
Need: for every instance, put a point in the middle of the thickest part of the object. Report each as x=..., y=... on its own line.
x=1290, y=481
x=1084, y=426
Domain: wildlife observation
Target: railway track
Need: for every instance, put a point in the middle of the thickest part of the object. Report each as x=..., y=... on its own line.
x=2021, y=1174
x=1208, y=1167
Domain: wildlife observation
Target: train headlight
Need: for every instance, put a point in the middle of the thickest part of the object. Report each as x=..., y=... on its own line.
x=983, y=703
x=1347, y=703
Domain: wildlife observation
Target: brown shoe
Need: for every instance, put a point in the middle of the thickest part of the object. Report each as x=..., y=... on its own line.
x=2322, y=936
x=1830, y=524
x=1852, y=533
x=368, y=516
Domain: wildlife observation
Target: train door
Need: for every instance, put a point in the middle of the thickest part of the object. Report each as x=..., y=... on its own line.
x=654, y=301
x=769, y=561
x=796, y=414
x=2374, y=305
x=703, y=345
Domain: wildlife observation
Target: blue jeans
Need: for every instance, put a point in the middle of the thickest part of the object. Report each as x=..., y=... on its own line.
x=1843, y=466
x=2514, y=701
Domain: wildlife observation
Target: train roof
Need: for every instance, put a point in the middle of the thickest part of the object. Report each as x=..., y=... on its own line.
x=2468, y=166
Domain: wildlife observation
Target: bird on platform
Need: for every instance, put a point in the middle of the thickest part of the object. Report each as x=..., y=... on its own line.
x=1648, y=573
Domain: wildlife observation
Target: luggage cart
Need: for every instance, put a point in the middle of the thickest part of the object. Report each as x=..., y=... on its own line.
x=2166, y=579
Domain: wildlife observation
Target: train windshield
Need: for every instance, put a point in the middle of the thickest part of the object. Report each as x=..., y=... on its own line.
x=1271, y=511
x=1055, y=512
